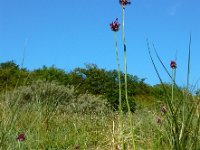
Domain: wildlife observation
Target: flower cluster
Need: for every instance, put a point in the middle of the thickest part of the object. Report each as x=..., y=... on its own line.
x=115, y=25
x=21, y=137
x=77, y=147
x=158, y=120
x=173, y=64
x=124, y=3
x=164, y=110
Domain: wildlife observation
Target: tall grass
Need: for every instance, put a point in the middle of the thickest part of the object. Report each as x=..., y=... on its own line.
x=70, y=121
x=181, y=122
x=65, y=122
x=76, y=122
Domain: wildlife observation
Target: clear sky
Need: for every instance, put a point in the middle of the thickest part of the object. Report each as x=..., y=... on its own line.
x=69, y=33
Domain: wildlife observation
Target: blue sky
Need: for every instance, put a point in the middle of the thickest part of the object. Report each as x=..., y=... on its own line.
x=68, y=34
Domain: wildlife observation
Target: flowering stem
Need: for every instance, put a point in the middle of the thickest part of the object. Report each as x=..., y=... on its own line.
x=119, y=75
x=19, y=144
x=125, y=78
x=120, y=91
x=173, y=74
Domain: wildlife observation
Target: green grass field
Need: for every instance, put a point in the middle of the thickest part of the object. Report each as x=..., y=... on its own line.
x=82, y=125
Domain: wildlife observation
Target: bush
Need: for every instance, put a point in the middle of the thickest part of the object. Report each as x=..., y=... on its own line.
x=56, y=96
x=88, y=103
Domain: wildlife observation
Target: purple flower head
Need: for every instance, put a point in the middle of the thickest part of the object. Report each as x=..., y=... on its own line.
x=173, y=64
x=124, y=3
x=164, y=110
x=21, y=137
x=159, y=121
x=77, y=147
x=115, y=25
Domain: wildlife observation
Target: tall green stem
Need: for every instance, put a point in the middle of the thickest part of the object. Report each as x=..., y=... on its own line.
x=125, y=78
x=119, y=75
x=173, y=74
x=120, y=91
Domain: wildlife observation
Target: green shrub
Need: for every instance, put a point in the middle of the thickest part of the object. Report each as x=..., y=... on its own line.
x=56, y=96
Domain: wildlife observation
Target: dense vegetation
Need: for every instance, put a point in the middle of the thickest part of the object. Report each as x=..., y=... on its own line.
x=91, y=80
x=49, y=108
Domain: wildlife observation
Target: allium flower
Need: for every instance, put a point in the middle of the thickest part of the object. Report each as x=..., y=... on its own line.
x=21, y=137
x=158, y=120
x=173, y=64
x=124, y=2
x=117, y=147
x=115, y=25
x=77, y=147
x=164, y=110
